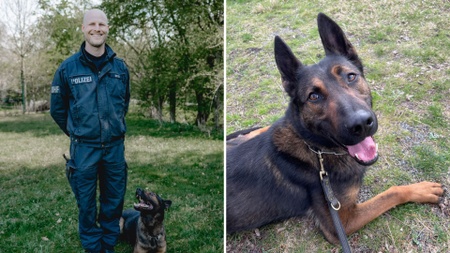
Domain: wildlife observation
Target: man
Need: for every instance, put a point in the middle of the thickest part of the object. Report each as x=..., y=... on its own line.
x=89, y=100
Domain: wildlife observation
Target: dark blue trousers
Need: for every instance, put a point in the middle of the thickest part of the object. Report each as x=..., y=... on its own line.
x=106, y=165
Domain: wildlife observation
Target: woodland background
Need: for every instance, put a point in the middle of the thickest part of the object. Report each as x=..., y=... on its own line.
x=174, y=50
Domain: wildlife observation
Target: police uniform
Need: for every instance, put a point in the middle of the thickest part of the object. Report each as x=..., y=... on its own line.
x=89, y=101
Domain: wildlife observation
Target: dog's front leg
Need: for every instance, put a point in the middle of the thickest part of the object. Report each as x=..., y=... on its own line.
x=424, y=192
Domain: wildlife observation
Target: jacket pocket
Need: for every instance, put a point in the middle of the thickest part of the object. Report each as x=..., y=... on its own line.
x=84, y=108
x=82, y=86
x=116, y=86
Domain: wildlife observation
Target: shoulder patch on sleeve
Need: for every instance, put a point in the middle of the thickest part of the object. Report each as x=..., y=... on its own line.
x=55, y=90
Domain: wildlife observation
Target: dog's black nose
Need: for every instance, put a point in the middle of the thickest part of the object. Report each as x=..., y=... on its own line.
x=362, y=123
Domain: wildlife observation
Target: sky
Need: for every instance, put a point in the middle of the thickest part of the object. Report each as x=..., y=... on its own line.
x=9, y=12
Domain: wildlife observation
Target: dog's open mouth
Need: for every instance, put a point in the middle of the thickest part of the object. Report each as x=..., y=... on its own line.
x=365, y=152
x=142, y=205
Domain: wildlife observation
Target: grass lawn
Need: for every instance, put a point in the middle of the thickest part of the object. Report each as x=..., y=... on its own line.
x=404, y=46
x=38, y=211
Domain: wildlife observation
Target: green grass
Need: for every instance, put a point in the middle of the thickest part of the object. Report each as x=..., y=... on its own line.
x=38, y=211
x=404, y=47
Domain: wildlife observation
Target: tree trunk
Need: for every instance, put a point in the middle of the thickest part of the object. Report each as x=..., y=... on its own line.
x=173, y=102
x=22, y=82
x=202, y=109
x=160, y=109
x=216, y=104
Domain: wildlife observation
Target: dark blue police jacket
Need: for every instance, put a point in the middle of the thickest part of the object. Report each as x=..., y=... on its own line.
x=90, y=105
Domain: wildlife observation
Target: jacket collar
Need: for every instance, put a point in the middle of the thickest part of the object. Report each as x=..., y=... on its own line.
x=83, y=57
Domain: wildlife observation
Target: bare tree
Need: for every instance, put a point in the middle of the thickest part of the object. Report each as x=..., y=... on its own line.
x=18, y=18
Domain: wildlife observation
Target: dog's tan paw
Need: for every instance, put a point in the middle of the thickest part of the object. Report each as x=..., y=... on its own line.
x=425, y=192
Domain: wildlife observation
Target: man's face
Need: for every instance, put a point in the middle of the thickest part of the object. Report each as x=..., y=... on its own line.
x=95, y=28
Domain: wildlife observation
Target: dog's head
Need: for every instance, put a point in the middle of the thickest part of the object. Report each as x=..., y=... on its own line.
x=330, y=101
x=150, y=203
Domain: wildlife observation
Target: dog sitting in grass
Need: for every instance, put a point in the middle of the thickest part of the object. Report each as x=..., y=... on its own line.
x=143, y=226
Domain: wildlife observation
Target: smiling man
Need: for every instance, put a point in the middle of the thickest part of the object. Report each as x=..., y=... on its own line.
x=95, y=28
x=89, y=100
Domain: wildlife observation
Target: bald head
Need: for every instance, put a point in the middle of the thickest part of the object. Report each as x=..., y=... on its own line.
x=96, y=15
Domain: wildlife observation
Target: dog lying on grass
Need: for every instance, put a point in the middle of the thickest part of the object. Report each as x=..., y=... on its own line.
x=275, y=173
x=143, y=226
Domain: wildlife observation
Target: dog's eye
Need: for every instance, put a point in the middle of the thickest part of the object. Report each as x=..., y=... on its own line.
x=314, y=97
x=351, y=77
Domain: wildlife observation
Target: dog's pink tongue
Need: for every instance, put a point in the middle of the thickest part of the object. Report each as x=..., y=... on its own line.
x=365, y=151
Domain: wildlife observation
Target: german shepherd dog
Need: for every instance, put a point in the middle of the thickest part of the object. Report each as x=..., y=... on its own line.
x=143, y=227
x=274, y=174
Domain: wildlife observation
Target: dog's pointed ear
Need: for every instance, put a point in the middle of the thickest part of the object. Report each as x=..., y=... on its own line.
x=335, y=42
x=287, y=64
x=167, y=204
